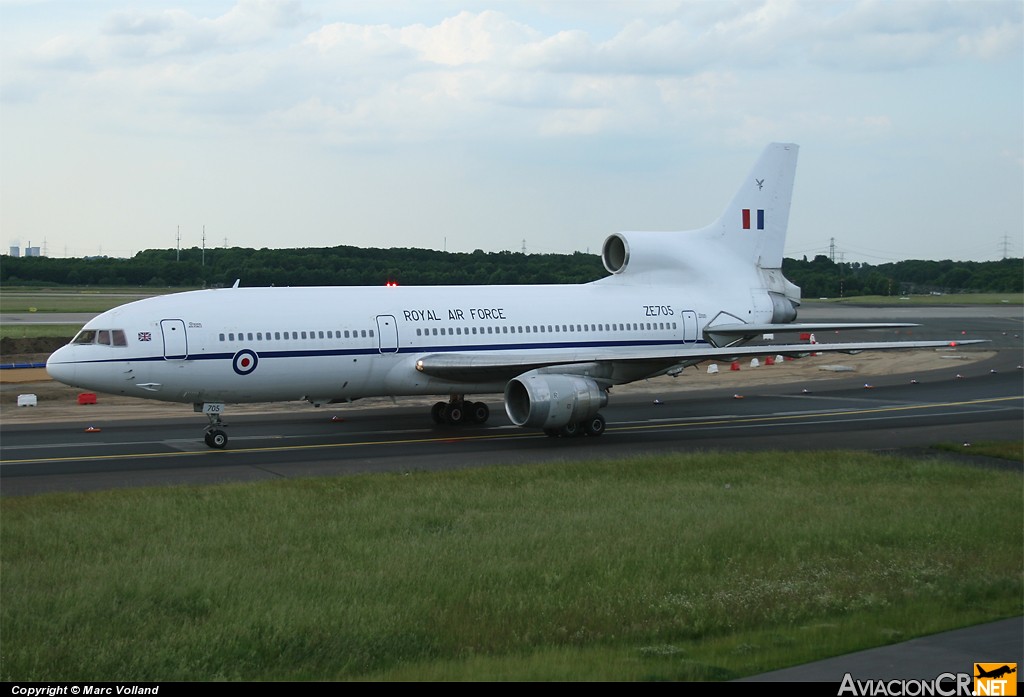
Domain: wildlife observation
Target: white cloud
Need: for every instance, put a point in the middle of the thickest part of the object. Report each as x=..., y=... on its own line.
x=993, y=42
x=586, y=86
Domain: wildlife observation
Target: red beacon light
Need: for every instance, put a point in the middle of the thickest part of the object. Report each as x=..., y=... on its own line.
x=391, y=283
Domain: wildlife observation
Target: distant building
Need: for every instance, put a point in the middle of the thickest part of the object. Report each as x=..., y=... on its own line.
x=15, y=250
x=32, y=252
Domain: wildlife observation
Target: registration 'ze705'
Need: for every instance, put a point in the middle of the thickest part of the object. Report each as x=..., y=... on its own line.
x=671, y=300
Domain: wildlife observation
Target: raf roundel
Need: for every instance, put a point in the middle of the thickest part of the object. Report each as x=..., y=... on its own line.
x=245, y=362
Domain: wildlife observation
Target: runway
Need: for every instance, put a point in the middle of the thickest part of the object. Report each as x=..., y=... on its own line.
x=986, y=402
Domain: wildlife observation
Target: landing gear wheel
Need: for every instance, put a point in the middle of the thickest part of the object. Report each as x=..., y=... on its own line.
x=454, y=414
x=479, y=412
x=437, y=412
x=216, y=438
x=570, y=430
x=595, y=425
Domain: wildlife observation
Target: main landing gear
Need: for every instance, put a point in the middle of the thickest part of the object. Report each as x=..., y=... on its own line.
x=594, y=426
x=458, y=411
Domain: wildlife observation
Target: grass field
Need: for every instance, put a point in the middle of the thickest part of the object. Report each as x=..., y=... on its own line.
x=71, y=300
x=1009, y=450
x=35, y=331
x=688, y=567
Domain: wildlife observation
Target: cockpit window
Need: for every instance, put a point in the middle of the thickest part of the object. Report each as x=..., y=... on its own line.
x=105, y=337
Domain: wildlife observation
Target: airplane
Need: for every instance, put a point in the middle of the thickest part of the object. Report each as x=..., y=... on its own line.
x=996, y=672
x=671, y=300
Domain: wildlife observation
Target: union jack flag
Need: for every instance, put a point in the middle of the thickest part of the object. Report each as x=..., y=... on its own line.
x=145, y=336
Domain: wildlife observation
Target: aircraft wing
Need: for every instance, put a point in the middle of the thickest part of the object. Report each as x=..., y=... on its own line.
x=721, y=334
x=474, y=367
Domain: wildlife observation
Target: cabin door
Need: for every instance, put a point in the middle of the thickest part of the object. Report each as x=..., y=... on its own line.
x=387, y=333
x=175, y=341
x=689, y=318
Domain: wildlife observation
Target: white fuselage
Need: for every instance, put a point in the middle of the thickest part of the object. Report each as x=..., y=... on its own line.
x=339, y=343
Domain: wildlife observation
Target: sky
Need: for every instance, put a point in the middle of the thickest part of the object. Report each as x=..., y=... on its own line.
x=498, y=125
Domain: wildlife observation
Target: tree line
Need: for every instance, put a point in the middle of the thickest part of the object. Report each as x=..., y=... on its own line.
x=351, y=266
x=823, y=277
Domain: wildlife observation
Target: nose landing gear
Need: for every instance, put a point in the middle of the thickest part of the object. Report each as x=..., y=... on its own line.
x=215, y=436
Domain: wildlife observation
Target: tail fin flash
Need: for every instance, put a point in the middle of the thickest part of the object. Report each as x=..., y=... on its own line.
x=754, y=224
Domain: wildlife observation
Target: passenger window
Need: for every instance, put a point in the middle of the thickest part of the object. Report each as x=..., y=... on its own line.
x=231, y=336
x=222, y=337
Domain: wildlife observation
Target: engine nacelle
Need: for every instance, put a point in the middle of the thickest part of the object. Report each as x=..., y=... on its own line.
x=543, y=400
x=642, y=251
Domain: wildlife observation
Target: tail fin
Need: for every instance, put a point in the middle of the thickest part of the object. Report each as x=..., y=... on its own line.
x=749, y=235
x=754, y=224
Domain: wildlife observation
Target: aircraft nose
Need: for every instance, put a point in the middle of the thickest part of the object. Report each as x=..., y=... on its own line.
x=60, y=367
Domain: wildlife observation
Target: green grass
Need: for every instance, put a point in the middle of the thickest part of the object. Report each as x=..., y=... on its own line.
x=936, y=300
x=1004, y=450
x=70, y=300
x=708, y=566
x=35, y=331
